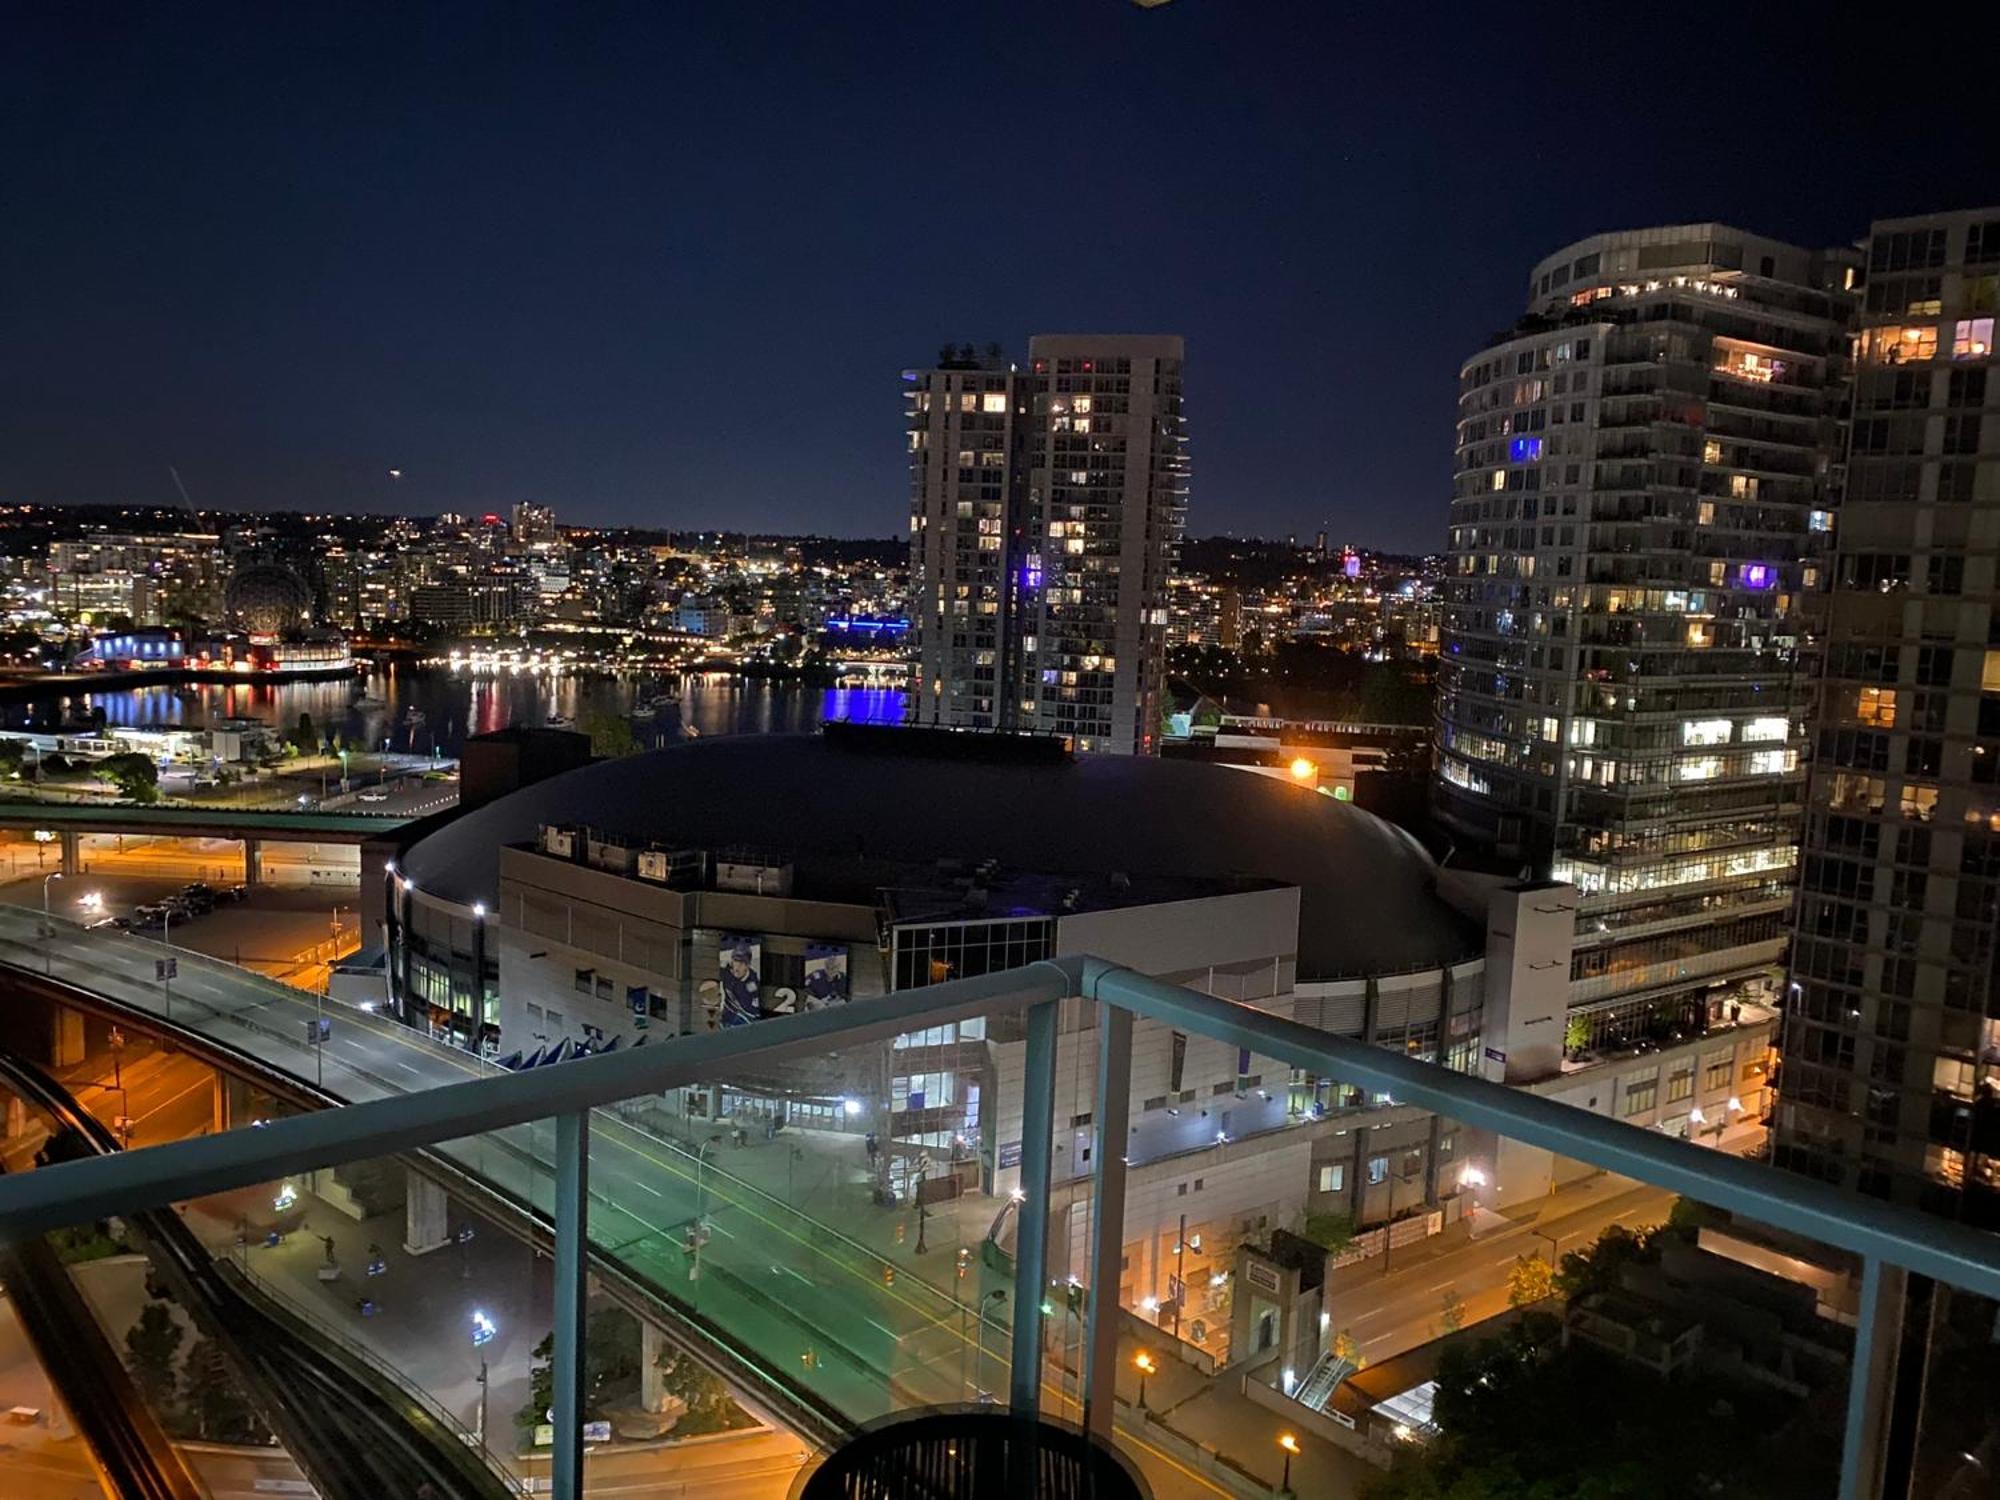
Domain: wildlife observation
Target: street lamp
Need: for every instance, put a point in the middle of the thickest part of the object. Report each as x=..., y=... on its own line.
x=48, y=925
x=1143, y=1363
x=480, y=1430
x=1291, y=1446
x=698, y=1231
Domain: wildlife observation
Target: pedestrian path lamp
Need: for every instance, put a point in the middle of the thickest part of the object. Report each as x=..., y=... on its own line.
x=1143, y=1363
x=1291, y=1446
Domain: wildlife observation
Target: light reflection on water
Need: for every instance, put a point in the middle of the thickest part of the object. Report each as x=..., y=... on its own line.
x=425, y=708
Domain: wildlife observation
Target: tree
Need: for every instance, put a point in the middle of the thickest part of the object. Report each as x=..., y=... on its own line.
x=1645, y=1438
x=213, y=1406
x=76, y=1243
x=1451, y=1311
x=1596, y=1269
x=707, y=1401
x=135, y=776
x=305, y=738
x=1347, y=1347
x=151, y=1345
x=1530, y=1279
x=610, y=1367
x=541, y=1386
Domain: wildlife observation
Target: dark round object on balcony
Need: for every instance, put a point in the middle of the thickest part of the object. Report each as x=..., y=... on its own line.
x=972, y=1453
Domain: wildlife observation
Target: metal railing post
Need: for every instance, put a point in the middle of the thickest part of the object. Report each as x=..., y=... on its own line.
x=1031, y=1246
x=572, y=1252
x=1107, y=1217
x=1871, y=1379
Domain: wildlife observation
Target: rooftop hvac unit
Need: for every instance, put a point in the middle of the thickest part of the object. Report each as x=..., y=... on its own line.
x=561, y=842
x=670, y=866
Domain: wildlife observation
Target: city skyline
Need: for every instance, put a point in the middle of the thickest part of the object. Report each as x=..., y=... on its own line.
x=338, y=261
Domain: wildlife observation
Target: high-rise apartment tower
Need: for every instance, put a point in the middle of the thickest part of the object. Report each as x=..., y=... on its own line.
x=1046, y=505
x=1645, y=462
x=1891, y=1053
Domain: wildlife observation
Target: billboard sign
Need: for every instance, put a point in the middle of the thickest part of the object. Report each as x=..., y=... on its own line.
x=825, y=977
x=741, y=980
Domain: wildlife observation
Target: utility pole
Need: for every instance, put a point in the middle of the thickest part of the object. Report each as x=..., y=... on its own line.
x=1180, y=1275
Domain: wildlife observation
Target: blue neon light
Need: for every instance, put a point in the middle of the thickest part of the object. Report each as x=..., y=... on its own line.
x=1524, y=450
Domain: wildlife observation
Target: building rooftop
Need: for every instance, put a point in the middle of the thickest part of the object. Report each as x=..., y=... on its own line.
x=1367, y=897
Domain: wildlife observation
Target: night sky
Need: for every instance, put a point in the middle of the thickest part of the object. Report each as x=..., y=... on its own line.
x=662, y=264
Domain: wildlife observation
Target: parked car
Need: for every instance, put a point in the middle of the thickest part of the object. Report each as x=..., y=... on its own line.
x=374, y=794
x=229, y=895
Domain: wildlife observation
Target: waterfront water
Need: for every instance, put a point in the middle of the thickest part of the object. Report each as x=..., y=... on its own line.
x=425, y=708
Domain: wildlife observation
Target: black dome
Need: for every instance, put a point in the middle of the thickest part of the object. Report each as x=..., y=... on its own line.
x=1367, y=898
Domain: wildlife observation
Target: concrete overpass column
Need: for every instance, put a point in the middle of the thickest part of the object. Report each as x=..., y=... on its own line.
x=425, y=1226
x=253, y=862
x=232, y=1103
x=652, y=1385
x=72, y=852
x=65, y=1037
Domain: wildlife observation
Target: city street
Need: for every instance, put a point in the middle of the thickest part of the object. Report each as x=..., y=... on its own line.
x=1388, y=1314
x=283, y=931
x=851, y=1306
x=791, y=1287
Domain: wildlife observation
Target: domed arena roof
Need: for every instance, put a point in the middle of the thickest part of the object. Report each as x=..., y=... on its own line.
x=1367, y=897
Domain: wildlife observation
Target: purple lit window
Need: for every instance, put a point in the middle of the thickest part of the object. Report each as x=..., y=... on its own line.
x=1525, y=450
x=1351, y=565
x=1757, y=575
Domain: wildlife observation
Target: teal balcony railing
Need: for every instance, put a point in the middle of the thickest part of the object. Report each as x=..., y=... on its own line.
x=845, y=1302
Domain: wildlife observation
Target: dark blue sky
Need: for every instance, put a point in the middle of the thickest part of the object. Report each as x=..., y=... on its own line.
x=661, y=264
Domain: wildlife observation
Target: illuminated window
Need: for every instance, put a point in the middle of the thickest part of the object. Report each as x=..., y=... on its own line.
x=1525, y=450
x=1499, y=479
x=1705, y=732
x=1919, y=803
x=1989, y=675
x=1907, y=344
x=1773, y=762
x=1743, y=486
x=995, y=401
x=1759, y=730
x=1700, y=634
x=1876, y=706
x=1711, y=452
x=1972, y=338
x=1819, y=520
x=1748, y=366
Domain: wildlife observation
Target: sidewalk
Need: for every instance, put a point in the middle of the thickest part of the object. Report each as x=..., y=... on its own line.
x=1518, y=1229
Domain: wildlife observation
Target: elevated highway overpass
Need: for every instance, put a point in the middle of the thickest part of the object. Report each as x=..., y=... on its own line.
x=808, y=1325
x=72, y=822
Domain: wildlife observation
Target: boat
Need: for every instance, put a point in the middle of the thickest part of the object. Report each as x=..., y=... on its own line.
x=560, y=721
x=369, y=703
x=413, y=716
x=652, y=705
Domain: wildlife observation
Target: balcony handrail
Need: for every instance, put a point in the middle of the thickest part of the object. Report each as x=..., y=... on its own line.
x=75, y=1192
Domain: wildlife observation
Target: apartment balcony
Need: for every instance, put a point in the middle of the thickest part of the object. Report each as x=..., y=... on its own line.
x=774, y=1264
